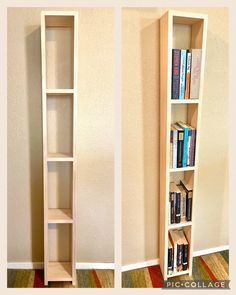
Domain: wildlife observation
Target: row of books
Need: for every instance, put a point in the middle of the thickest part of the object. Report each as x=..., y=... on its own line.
x=182, y=145
x=180, y=202
x=178, y=249
x=186, y=71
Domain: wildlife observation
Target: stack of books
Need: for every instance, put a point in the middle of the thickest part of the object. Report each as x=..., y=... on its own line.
x=178, y=249
x=182, y=145
x=186, y=72
x=180, y=202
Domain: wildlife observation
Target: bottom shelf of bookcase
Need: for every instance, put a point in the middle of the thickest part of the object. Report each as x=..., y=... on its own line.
x=179, y=273
x=59, y=271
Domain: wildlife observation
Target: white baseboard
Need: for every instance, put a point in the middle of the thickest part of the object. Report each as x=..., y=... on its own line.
x=156, y=261
x=140, y=264
x=88, y=265
x=79, y=265
x=210, y=250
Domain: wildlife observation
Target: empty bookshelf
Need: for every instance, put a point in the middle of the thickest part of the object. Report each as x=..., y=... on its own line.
x=59, y=53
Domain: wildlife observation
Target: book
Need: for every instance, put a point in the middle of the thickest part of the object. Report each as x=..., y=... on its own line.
x=170, y=257
x=175, y=208
x=171, y=147
x=185, y=143
x=183, y=203
x=189, y=195
x=180, y=142
x=172, y=208
x=185, y=250
x=195, y=73
x=175, y=73
x=173, y=239
x=178, y=249
x=188, y=75
x=182, y=74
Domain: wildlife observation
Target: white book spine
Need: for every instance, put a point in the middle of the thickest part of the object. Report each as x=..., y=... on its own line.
x=175, y=142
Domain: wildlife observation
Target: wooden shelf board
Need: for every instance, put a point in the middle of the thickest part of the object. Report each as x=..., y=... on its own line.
x=184, y=101
x=60, y=216
x=182, y=169
x=59, y=157
x=59, y=271
x=60, y=91
x=178, y=273
x=177, y=225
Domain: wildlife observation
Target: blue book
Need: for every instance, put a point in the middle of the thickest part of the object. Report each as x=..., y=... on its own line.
x=183, y=65
x=185, y=144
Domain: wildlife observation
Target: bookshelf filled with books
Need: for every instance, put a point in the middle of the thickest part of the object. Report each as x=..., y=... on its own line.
x=59, y=51
x=183, y=46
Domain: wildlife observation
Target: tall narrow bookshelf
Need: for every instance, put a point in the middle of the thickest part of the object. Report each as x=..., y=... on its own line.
x=59, y=54
x=181, y=30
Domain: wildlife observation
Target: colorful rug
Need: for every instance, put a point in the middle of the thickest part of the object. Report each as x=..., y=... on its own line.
x=207, y=267
x=25, y=278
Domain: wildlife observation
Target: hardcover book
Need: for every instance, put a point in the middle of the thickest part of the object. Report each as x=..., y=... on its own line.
x=195, y=73
x=175, y=73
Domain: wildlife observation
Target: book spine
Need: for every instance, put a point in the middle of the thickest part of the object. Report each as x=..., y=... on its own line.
x=175, y=73
x=193, y=144
x=170, y=260
x=189, y=147
x=182, y=74
x=177, y=208
x=195, y=73
x=183, y=206
x=172, y=207
x=179, y=257
x=175, y=257
x=185, y=148
x=189, y=206
x=185, y=257
x=171, y=149
x=188, y=75
x=180, y=148
x=175, y=147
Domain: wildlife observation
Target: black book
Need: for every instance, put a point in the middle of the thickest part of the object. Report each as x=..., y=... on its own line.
x=185, y=250
x=175, y=73
x=177, y=207
x=172, y=207
x=180, y=145
x=189, y=199
x=170, y=257
x=179, y=256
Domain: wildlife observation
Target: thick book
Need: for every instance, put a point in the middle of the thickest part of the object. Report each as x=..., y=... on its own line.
x=185, y=143
x=175, y=73
x=189, y=198
x=172, y=208
x=180, y=144
x=173, y=239
x=194, y=136
x=182, y=74
x=182, y=203
x=195, y=73
x=188, y=75
x=170, y=257
x=178, y=249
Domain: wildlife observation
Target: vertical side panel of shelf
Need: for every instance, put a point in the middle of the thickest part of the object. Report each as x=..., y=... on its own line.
x=199, y=38
x=166, y=29
x=44, y=114
x=75, y=110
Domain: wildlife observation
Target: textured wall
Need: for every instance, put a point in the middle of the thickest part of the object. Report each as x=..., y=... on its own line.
x=95, y=136
x=140, y=203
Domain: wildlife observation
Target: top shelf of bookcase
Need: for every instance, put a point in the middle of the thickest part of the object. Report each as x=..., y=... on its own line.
x=186, y=18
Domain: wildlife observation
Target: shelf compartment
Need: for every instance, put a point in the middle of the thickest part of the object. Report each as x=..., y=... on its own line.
x=60, y=216
x=59, y=186
x=59, y=157
x=59, y=51
x=187, y=113
x=60, y=124
x=59, y=271
x=60, y=242
x=59, y=91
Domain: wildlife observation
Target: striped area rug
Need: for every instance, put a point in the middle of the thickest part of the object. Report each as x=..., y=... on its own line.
x=85, y=279
x=207, y=267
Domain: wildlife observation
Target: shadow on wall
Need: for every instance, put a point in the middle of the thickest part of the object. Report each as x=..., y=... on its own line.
x=33, y=51
x=150, y=100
